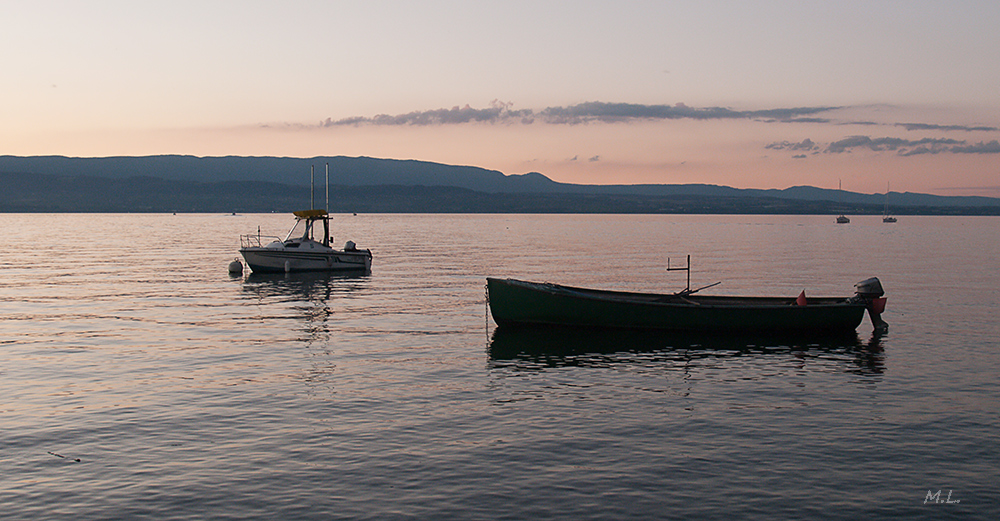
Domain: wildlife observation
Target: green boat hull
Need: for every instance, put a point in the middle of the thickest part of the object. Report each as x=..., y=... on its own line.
x=513, y=302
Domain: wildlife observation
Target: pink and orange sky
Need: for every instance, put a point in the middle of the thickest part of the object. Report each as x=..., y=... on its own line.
x=765, y=94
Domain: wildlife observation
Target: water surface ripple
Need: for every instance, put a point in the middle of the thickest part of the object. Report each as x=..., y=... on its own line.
x=138, y=380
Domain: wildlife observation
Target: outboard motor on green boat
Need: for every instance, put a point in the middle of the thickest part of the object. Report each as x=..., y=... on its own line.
x=869, y=288
x=870, y=292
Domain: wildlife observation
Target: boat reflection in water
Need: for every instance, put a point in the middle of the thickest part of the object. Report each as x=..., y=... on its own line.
x=307, y=285
x=543, y=347
x=311, y=297
x=303, y=309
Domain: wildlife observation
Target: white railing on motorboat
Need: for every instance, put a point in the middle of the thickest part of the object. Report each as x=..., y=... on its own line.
x=256, y=240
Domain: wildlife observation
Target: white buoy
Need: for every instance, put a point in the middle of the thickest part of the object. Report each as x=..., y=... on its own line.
x=288, y=266
x=236, y=266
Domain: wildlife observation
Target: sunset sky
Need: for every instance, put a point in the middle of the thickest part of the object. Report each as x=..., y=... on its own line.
x=762, y=94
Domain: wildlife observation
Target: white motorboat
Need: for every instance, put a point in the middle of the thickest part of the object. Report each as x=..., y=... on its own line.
x=305, y=248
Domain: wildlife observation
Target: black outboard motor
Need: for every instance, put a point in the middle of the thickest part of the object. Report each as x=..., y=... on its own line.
x=870, y=292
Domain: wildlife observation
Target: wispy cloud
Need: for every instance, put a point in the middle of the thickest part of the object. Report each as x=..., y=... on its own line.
x=621, y=112
x=497, y=112
x=805, y=145
x=794, y=115
x=927, y=126
x=887, y=143
x=593, y=111
x=501, y=112
x=903, y=147
x=993, y=147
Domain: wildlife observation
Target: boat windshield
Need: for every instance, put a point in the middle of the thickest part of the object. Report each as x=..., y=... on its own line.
x=303, y=229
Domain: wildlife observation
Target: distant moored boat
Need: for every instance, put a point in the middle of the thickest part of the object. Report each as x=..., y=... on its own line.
x=886, y=218
x=842, y=219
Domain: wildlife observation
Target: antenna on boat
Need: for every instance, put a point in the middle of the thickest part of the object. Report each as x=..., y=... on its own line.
x=687, y=290
x=312, y=174
x=685, y=268
x=328, y=188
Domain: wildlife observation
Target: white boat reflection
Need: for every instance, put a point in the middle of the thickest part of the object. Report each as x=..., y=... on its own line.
x=309, y=285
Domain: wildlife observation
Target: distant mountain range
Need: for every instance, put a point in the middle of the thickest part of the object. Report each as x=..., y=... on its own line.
x=173, y=183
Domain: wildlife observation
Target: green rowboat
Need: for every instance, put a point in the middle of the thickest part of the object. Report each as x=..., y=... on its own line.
x=515, y=302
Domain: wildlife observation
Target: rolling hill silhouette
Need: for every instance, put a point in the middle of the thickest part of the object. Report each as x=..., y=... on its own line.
x=236, y=183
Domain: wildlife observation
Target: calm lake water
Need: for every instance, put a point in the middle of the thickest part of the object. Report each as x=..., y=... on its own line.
x=139, y=380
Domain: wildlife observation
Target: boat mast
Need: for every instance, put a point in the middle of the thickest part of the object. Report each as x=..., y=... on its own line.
x=326, y=218
x=312, y=174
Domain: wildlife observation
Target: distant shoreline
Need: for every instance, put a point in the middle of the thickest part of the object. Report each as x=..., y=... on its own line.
x=187, y=184
x=159, y=196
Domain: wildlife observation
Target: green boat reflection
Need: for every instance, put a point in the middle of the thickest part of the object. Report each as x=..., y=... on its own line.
x=547, y=346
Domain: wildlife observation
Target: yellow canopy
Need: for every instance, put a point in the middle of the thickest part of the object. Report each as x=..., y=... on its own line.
x=305, y=214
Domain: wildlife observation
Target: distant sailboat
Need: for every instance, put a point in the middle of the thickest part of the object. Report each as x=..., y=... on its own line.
x=842, y=219
x=886, y=218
